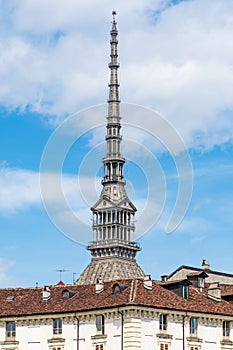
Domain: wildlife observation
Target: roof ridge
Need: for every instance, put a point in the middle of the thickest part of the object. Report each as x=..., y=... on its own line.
x=133, y=291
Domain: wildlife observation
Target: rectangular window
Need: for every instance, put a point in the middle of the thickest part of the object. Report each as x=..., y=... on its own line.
x=226, y=328
x=184, y=291
x=194, y=348
x=99, y=347
x=193, y=326
x=10, y=329
x=57, y=326
x=201, y=282
x=100, y=324
x=163, y=322
x=163, y=346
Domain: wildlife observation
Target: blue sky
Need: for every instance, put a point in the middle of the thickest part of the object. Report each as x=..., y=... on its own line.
x=176, y=58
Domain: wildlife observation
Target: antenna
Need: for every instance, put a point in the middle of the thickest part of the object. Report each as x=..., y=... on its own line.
x=60, y=272
x=74, y=274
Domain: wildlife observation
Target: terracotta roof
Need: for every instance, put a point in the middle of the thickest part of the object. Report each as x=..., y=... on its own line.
x=226, y=289
x=29, y=301
x=180, y=281
x=60, y=283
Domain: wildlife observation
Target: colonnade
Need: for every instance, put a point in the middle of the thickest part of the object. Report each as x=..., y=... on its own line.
x=113, y=225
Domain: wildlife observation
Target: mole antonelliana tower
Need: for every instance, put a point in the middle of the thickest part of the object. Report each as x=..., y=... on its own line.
x=113, y=248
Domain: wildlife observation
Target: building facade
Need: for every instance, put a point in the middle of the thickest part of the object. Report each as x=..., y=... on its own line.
x=116, y=315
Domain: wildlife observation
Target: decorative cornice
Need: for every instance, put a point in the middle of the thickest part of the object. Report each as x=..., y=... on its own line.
x=164, y=336
x=227, y=342
x=194, y=339
x=56, y=340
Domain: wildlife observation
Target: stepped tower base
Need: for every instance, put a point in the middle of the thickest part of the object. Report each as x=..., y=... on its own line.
x=110, y=268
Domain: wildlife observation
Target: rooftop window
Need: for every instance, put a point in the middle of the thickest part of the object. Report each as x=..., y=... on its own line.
x=184, y=291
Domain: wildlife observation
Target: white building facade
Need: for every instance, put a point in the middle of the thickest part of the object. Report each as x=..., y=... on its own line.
x=117, y=315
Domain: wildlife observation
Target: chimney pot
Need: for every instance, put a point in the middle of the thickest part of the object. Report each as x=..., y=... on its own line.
x=99, y=286
x=46, y=293
x=147, y=282
x=214, y=291
x=205, y=264
x=163, y=278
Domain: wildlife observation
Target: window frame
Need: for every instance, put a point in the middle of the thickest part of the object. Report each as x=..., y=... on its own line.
x=163, y=346
x=10, y=329
x=163, y=322
x=57, y=326
x=193, y=325
x=184, y=291
x=100, y=324
x=200, y=282
x=99, y=347
x=226, y=328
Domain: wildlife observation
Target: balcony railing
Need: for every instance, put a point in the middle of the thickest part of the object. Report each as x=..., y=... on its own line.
x=113, y=242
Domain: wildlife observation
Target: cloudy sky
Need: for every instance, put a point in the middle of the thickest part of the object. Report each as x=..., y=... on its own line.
x=176, y=59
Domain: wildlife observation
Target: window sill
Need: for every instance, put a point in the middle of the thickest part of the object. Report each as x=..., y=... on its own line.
x=56, y=340
x=194, y=338
x=99, y=336
x=9, y=342
x=164, y=335
x=226, y=341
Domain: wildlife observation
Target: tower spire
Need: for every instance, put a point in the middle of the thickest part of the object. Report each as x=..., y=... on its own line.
x=113, y=162
x=113, y=248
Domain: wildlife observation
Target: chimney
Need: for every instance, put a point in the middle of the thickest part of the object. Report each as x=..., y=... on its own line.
x=164, y=278
x=214, y=291
x=205, y=264
x=148, y=282
x=99, y=286
x=46, y=293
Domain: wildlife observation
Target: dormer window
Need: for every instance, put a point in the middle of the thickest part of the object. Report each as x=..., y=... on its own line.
x=67, y=294
x=119, y=288
x=184, y=291
x=200, y=282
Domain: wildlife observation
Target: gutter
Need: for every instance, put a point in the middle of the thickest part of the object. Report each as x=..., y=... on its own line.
x=183, y=328
x=77, y=334
x=122, y=329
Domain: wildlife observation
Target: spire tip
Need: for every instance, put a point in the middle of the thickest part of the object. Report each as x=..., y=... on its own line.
x=113, y=14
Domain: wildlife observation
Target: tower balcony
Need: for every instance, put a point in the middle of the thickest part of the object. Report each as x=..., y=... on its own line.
x=113, y=243
x=113, y=180
x=115, y=223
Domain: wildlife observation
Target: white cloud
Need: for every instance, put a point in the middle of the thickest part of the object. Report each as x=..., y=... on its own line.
x=19, y=190
x=5, y=278
x=178, y=60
